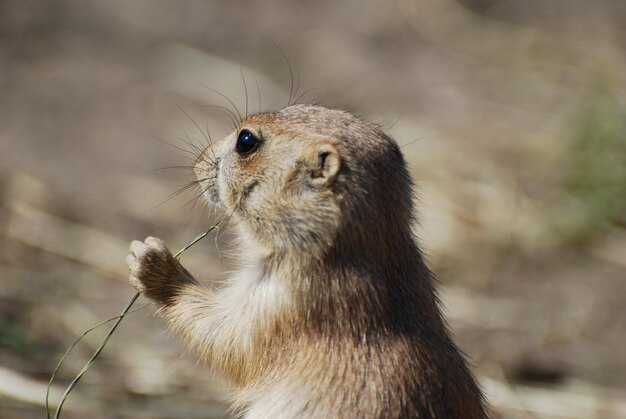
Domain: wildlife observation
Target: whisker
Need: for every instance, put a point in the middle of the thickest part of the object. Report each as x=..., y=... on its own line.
x=227, y=99
x=224, y=128
x=290, y=72
x=158, y=169
x=208, y=133
x=194, y=156
x=208, y=158
x=258, y=90
x=177, y=192
x=195, y=201
x=230, y=114
x=199, y=151
x=299, y=98
x=390, y=127
x=245, y=89
x=196, y=198
x=297, y=86
x=410, y=142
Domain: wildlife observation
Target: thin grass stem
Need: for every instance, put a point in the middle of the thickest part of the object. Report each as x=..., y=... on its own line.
x=118, y=319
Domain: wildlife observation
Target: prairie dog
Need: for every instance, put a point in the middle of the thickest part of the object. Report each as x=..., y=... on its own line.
x=332, y=313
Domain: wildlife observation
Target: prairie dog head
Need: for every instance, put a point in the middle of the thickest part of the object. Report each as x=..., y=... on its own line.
x=296, y=178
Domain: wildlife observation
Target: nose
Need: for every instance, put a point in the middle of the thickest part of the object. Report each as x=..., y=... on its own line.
x=206, y=162
x=207, y=172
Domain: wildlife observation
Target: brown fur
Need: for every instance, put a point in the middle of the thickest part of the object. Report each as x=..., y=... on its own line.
x=333, y=313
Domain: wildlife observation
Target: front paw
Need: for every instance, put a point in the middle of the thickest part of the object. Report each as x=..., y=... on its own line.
x=154, y=271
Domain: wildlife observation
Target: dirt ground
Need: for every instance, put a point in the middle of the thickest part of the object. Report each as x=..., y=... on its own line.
x=511, y=114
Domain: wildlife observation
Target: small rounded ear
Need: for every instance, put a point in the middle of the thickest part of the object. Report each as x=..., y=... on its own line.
x=324, y=163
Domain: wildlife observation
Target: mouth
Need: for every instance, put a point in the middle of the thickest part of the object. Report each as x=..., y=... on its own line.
x=247, y=190
x=209, y=188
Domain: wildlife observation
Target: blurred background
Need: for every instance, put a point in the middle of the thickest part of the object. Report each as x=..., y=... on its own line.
x=512, y=115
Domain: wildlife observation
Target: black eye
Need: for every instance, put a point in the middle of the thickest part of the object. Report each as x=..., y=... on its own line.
x=246, y=142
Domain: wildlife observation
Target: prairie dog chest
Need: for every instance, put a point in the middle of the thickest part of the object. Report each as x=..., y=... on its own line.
x=250, y=302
